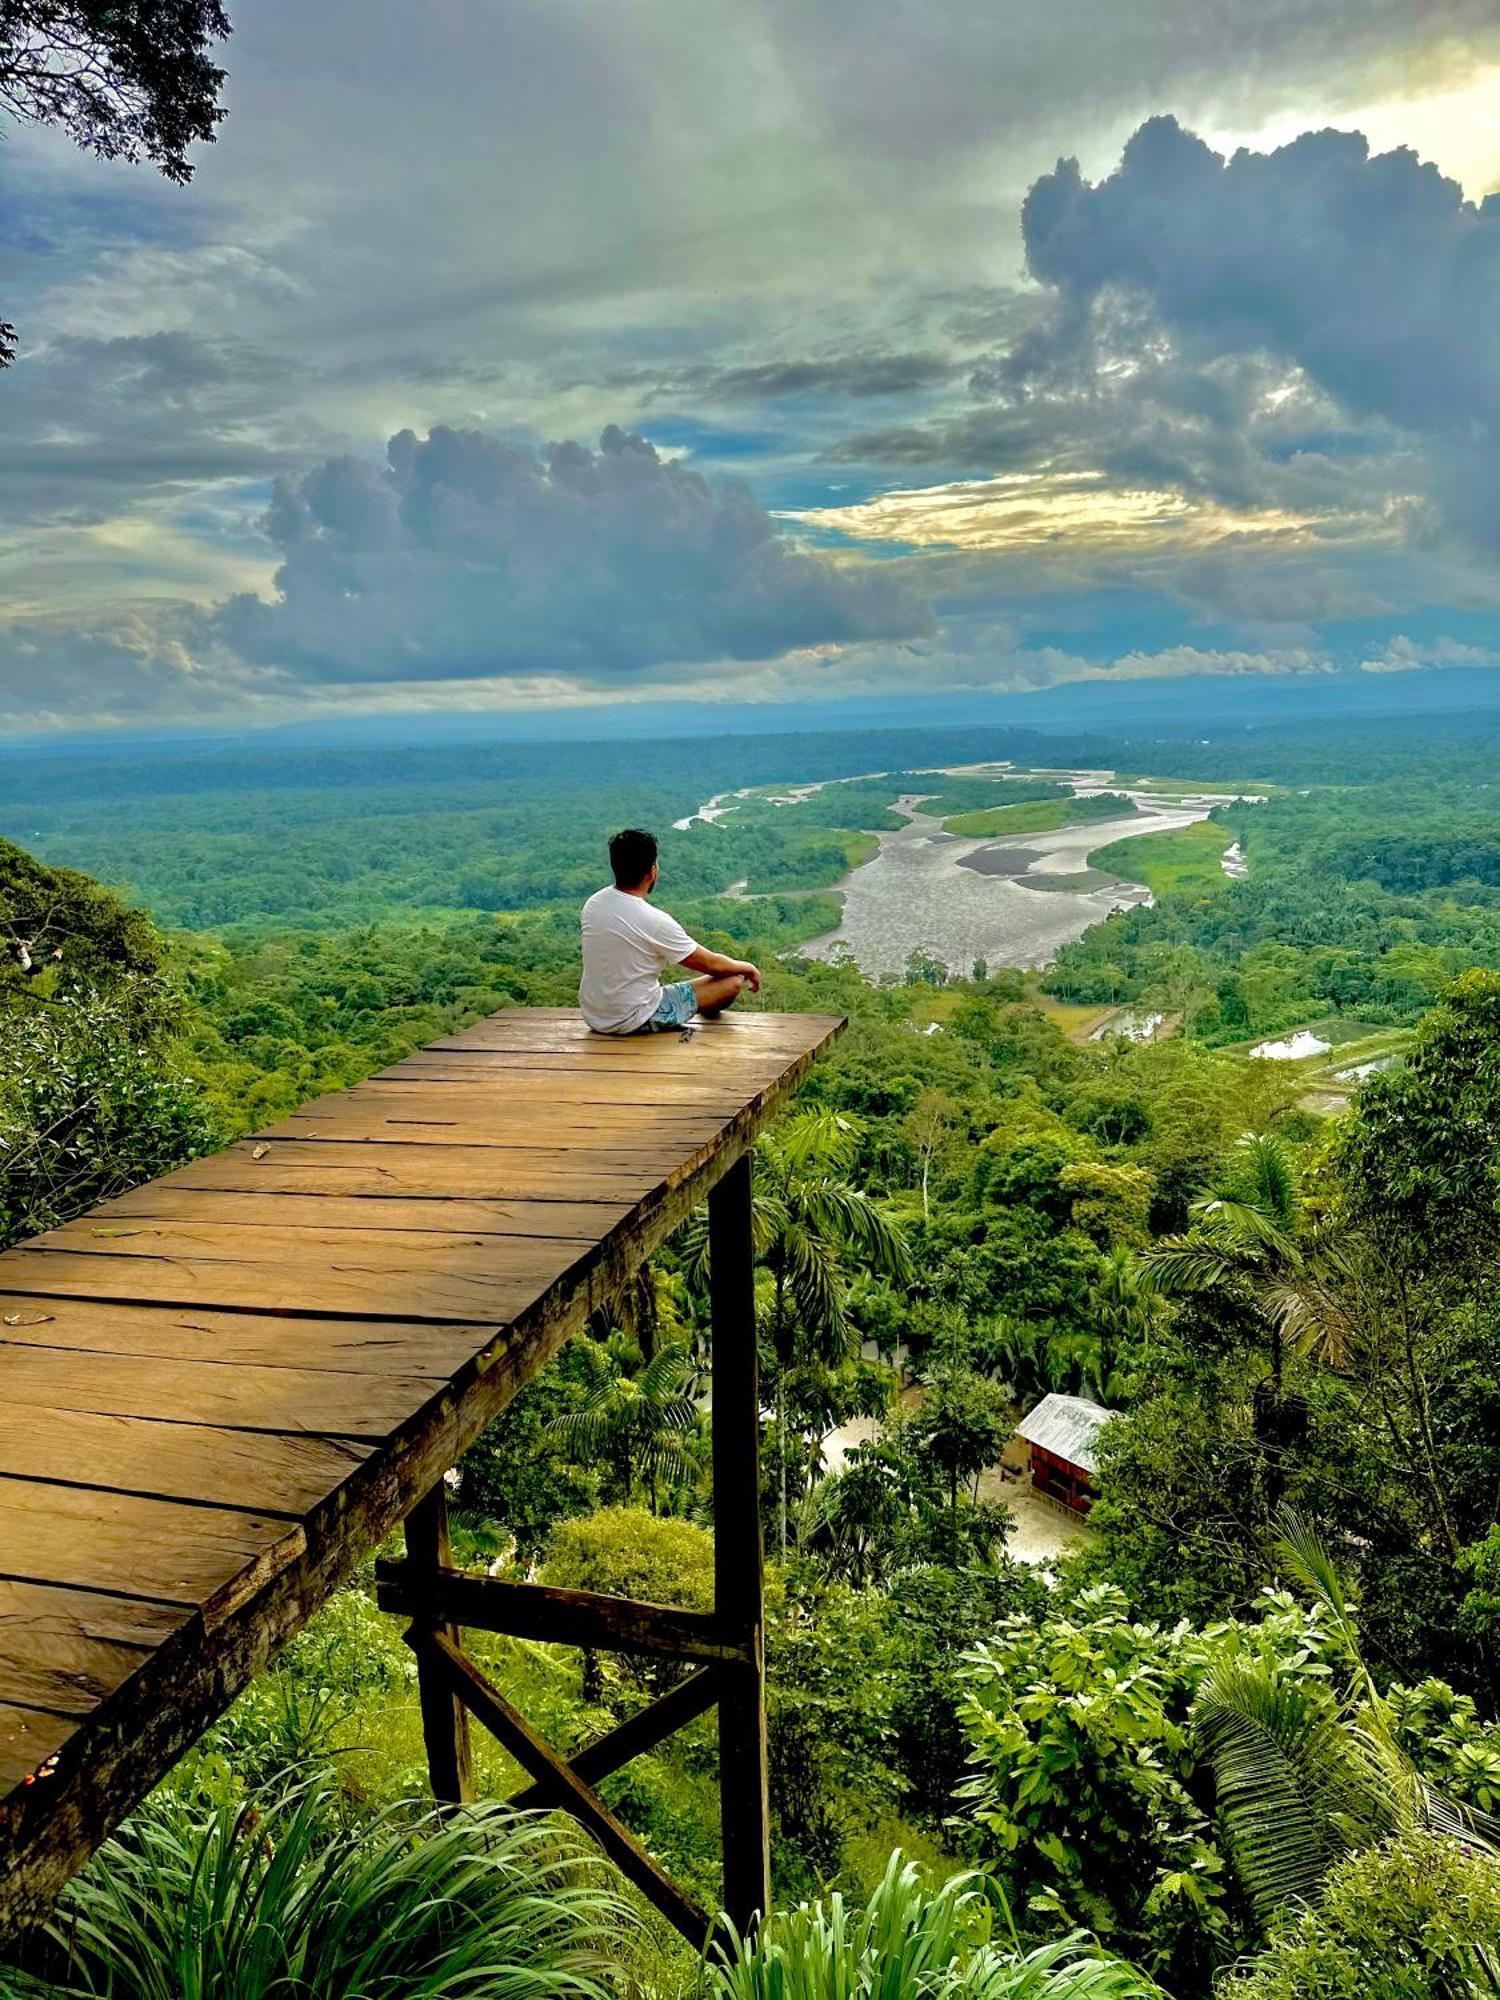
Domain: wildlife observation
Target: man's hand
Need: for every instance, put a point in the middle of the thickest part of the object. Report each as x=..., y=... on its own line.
x=715, y=962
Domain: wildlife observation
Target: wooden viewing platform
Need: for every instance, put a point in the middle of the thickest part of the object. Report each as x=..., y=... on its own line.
x=222, y=1390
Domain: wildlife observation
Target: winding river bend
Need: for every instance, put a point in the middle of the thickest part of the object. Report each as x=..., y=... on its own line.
x=1010, y=901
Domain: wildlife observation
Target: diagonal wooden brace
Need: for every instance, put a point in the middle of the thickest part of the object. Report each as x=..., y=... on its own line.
x=642, y=1732
x=559, y=1785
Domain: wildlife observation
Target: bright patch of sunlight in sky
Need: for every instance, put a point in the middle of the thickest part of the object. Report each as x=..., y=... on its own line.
x=1022, y=509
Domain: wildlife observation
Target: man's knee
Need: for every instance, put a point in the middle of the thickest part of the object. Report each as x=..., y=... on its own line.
x=725, y=989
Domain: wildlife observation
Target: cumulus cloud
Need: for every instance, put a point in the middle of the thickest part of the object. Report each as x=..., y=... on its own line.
x=1371, y=278
x=464, y=556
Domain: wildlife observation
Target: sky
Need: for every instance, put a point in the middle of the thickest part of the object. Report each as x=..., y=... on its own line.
x=543, y=354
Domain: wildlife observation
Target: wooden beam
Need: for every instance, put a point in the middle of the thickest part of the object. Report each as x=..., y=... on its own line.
x=557, y=1617
x=635, y=1736
x=739, y=1559
x=445, y=1720
x=561, y=1787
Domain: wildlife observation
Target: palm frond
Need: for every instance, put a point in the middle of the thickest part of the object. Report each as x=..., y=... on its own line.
x=1304, y=1556
x=1175, y=1264
x=1297, y=1788
x=1265, y=1174
x=1244, y=1228
x=818, y=1138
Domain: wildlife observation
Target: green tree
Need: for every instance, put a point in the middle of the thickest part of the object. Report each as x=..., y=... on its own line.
x=813, y=1229
x=639, y=1425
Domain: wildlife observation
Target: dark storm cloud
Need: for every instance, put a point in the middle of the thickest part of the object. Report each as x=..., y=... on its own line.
x=1373, y=277
x=103, y=421
x=856, y=375
x=464, y=556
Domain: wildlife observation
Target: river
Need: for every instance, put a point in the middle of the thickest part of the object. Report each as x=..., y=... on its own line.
x=1013, y=901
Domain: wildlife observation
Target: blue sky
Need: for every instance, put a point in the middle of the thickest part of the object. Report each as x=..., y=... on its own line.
x=554, y=354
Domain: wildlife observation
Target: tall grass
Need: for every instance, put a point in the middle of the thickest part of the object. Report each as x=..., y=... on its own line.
x=295, y=1898
x=912, y=1943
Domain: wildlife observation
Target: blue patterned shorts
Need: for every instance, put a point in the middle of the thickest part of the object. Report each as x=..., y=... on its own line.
x=679, y=1003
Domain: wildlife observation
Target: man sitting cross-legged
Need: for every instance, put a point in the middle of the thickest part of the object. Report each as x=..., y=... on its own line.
x=628, y=943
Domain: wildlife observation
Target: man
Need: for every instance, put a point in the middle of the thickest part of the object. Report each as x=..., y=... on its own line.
x=627, y=944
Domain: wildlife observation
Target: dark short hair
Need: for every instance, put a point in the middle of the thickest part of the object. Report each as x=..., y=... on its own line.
x=632, y=855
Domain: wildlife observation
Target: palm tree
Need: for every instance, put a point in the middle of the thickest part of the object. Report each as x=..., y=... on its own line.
x=1121, y=1304
x=1244, y=1240
x=641, y=1424
x=811, y=1230
x=294, y=1895
x=863, y=1510
x=910, y=1940
x=1245, y=1243
x=1306, y=1775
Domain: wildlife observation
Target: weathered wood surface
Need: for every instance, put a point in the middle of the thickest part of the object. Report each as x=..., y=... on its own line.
x=222, y=1389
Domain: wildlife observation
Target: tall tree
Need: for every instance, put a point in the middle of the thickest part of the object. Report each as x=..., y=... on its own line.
x=1245, y=1243
x=813, y=1229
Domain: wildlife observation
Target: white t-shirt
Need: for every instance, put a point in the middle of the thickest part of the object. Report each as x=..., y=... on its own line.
x=627, y=943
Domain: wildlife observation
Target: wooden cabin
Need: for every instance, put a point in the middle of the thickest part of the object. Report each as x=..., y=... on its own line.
x=1062, y=1432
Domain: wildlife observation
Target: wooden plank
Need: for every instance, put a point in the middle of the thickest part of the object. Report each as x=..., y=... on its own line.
x=68, y=1650
x=365, y=1287
x=593, y=1127
x=636, y=1735
x=482, y=1094
x=197, y=1557
x=671, y=1058
x=549, y=1771
x=575, y=1221
x=308, y=1245
x=268, y=1340
x=562, y=1029
x=328, y=1403
x=554, y=1616
x=269, y=1473
x=471, y=1173
x=27, y=1738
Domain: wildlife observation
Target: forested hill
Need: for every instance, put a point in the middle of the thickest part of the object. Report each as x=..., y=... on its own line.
x=1203, y=1731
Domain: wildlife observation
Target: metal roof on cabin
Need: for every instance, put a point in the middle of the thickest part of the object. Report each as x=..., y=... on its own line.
x=1066, y=1426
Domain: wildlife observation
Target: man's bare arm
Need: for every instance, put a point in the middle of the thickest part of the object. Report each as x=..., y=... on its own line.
x=704, y=960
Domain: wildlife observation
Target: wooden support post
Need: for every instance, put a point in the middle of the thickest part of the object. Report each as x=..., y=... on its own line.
x=445, y=1720
x=739, y=1560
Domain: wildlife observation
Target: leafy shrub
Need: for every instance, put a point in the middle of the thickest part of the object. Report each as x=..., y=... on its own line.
x=88, y=1108
x=1418, y=1919
x=1086, y=1779
x=629, y=1553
